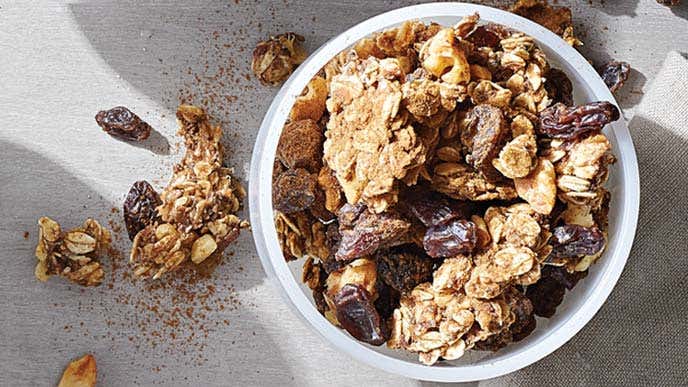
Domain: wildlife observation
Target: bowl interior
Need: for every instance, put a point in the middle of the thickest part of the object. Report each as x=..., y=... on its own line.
x=579, y=305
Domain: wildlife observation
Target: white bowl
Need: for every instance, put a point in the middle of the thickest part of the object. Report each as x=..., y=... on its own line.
x=579, y=305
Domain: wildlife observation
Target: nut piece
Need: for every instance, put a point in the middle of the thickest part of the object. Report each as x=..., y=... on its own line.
x=201, y=199
x=80, y=373
x=310, y=105
x=443, y=58
x=202, y=248
x=539, y=188
x=276, y=58
x=120, y=122
x=74, y=254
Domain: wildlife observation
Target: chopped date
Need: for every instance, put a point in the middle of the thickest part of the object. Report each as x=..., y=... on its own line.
x=140, y=207
x=572, y=241
x=403, y=270
x=387, y=299
x=559, y=87
x=485, y=137
x=357, y=315
x=615, y=74
x=559, y=121
x=433, y=208
x=449, y=239
x=363, y=232
x=120, y=122
x=294, y=190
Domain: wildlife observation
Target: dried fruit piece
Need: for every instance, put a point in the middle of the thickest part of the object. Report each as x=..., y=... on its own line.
x=140, y=207
x=539, y=188
x=120, y=122
x=548, y=292
x=451, y=238
x=615, y=74
x=488, y=35
x=364, y=232
x=403, y=270
x=300, y=145
x=294, y=190
x=80, y=373
x=559, y=87
x=574, y=241
x=432, y=208
x=484, y=137
x=669, y=2
x=571, y=123
x=276, y=58
x=74, y=254
x=357, y=314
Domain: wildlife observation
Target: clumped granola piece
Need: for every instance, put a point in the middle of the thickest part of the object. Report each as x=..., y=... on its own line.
x=557, y=19
x=371, y=146
x=584, y=169
x=197, y=214
x=120, y=122
x=518, y=157
x=139, y=207
x=310, y=105
x=523, y=325
x=615, y=74
x=539, y=187
x=74, y=254
x=403, y=270
x=80, y=373
x=461, y=182
x=442, y=57
x=300, y=145
x=294, y=190
x=300, y=235
x=364, y=232
x=276, y=58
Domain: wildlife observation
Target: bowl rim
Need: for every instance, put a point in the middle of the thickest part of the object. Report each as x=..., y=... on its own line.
x=265, y=236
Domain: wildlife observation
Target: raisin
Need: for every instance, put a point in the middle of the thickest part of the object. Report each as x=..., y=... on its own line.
x=403, y=270
x=449, y=239
x=559, y=87
x=615, y=74
x=120, y=122
x=572, y=241
x=357, y=315
x=433, y=208
x=363, y=232
x=559, y=121
x=140, y=207
x=484, y=138
x=561, y=275
x=294, y=190
x=300, y=145
x=546, y=295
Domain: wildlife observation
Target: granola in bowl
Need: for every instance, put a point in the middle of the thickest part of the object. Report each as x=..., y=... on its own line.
x=444, y=191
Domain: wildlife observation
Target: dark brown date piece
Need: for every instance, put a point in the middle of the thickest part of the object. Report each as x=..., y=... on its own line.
x=559, y=87
x=403, y=270
x=433, y=208
x=140, y=207
x=570, y=123
x=120, y=122
x=615, y=74
x=294, y=190
x=449, y=239
x=363, y=232
x=484, y=138
x=572, y=241
x=548, y=293
x=357, y=315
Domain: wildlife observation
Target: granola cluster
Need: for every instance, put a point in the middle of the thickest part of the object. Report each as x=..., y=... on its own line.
x=73, y=254
x=442, y=186
x=196, y=218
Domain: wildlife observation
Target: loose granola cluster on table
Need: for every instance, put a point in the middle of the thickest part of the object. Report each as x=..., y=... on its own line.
x=442, y=187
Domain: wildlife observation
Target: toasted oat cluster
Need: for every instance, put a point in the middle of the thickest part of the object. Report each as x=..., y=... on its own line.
x=197, y=215
x=73, y=254
x=275, y=59
x=442, y=187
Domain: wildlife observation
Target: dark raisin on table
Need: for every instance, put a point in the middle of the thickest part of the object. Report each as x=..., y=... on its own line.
x=120, y=122
x=357, y=315
x=615, y=74
x=569, y=123
x=140, y=207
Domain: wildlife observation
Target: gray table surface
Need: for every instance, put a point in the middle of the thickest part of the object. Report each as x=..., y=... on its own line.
x=62, y=62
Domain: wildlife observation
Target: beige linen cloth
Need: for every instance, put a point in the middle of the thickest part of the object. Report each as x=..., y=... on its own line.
x=640, y=336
